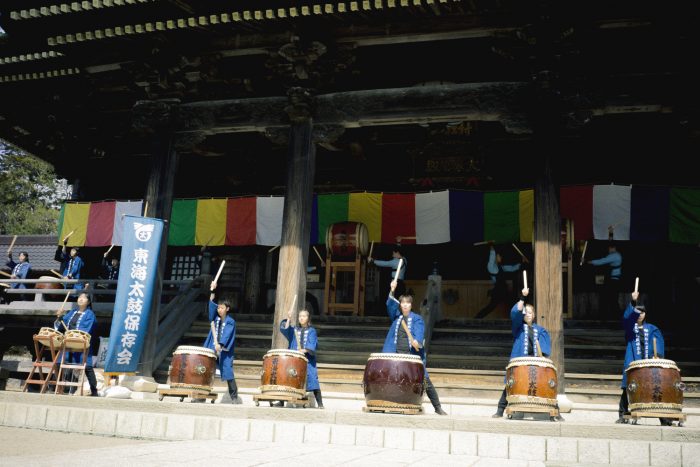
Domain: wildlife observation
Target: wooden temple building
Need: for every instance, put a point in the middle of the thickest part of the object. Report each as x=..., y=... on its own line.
x=159, y=100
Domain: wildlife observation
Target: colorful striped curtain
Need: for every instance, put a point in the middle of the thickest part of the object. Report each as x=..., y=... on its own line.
x=636, y=213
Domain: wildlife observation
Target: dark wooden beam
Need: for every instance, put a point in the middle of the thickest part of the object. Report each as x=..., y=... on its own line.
x=499, y=101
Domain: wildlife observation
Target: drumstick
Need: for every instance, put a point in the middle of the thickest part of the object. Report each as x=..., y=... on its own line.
x=145, y=208
x=323, y=263
x=293, y=309
x=408, y=332
x=371, y=247
x=2, y=284
x=9, y=249
x=525, y=279
x=110, y=249
x=518, y=250
x=654, y=341
x=583, y=255
x=218, y=273
x=398, y=269
x=5, y=274
x=483, y=243
x=636, y=284
x=273, y=248
x=539, y=350
x=58, y=274
x=68, y=236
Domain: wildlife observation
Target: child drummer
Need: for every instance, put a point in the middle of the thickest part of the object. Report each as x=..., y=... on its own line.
x=640, y=337
x=220, y=340
x=304, y=339
x=527, y=336
x=399, y=341
x=81, y=318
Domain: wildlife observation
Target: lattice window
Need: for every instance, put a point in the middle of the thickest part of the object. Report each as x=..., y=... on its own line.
x=185, y=267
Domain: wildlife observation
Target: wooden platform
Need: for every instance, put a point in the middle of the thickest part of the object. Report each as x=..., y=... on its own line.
x=303, y=401
x=392, y=407
x=191, y=393
x=634, y=417
x=552, y=412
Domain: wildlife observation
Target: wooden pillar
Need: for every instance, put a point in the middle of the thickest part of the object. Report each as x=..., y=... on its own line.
x=253, y=283
x=156, y=119
x=548, y=270
x=296, y=219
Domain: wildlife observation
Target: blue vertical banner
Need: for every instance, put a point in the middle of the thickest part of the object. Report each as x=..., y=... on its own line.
x=132, y=304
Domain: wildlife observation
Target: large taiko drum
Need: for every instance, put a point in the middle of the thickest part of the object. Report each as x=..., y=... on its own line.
x=531, y=383
x=193, y=367
x=49, y=336
x=393, y=381
x=49, y=283
x=347, y=239
x=284, y=373
x=654, y=385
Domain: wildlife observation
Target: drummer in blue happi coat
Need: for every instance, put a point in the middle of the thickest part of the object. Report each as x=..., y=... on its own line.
x=221, y=340
x=73, y=265
x=304, y=339
x=19, y=270
x=80, y=318
x=527, y=335
x=640, y=337
x=397, y=341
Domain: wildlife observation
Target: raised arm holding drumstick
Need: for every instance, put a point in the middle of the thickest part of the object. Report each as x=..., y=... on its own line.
x=498, y=271
x=529, y=338
x=222, y=336
x=644, y=341
x=406, y=336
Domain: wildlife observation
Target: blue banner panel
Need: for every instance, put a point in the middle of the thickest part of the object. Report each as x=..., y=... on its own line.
x=132, y=304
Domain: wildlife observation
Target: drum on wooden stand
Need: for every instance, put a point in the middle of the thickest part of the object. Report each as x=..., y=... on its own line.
x=347, y=240
x=654, y=387
x=193, y=368
x=531, y=385
x=394, y=383
x=49, y=336
x=77, y=341
x=284, y=373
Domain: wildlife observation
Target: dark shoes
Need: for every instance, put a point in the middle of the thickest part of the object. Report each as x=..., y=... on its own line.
x=321, y=407
x=236, y=400
x=439, y=411
x=621, y=420
x=497, y=415
x=666, y=421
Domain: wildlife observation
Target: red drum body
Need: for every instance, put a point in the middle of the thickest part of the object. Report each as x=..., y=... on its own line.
x=393, y=381
x=193, y=368
x=531, y=383
x=347, y=240
x=50, y=284
x=284, y=373
x=654, y=385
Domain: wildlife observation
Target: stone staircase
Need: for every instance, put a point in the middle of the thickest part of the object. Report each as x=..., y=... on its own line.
x=467, y=357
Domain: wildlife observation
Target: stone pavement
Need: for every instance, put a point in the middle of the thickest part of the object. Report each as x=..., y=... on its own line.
x=236, y=453
x=472, y=436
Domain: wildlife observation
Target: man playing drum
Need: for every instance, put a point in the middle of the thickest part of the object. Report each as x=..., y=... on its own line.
x=19, y=270
x=221, y=340
x=527, y=337
x=83, y=319
x=393, y=263
x=640, y=337
x=398, y=341
x=304, y=339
